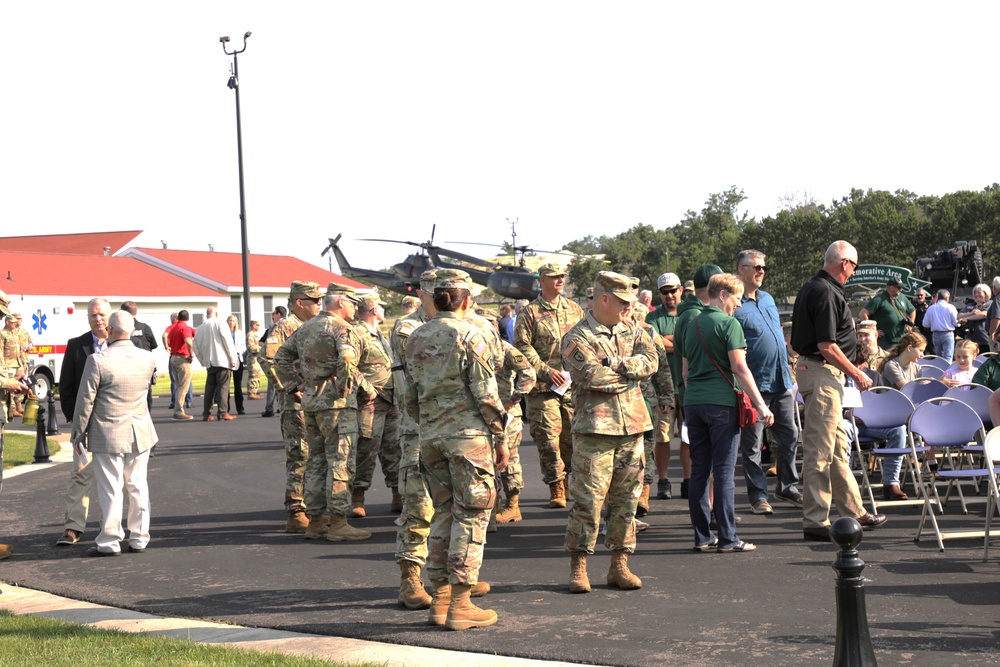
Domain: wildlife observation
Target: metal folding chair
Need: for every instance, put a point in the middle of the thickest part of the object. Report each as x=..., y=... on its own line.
x=883, y=407
x=942, y=423
x=923, y=389
x=939, y=363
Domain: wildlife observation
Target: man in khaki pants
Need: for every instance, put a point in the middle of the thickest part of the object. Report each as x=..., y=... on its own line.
x=824, y=338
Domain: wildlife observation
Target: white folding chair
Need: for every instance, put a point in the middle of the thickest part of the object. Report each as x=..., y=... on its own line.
x=991, y=469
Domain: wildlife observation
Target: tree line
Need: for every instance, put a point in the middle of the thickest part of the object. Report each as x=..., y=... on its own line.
x=886, y=227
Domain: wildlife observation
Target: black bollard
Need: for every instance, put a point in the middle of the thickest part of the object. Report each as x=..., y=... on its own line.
x=41, y=444
x=854, y=643
x=53, y=423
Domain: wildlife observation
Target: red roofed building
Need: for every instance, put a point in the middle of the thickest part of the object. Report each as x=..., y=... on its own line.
x=87, y=243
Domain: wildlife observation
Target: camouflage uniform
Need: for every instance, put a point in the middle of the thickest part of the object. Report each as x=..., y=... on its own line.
x=657, y=391
x=293, y=424
x=378, y=416
x=253, y=349
x=414, y=523
x=514, y=380
x=15, y=358
x=326, y=351
x=607, y=434
x=451, y=392
x=538, y=334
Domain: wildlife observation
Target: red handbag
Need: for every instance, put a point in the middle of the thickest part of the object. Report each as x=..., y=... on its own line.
x=746, y=413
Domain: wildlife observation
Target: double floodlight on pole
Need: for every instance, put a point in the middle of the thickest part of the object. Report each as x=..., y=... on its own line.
x=234, y=84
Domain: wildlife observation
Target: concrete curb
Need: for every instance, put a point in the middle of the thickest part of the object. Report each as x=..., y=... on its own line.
x=25, y=601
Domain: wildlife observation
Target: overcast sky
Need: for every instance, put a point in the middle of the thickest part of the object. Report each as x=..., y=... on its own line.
x=384, y=118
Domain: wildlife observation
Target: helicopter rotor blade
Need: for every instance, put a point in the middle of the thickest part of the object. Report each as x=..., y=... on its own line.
x=413, y=243
x=454, y=254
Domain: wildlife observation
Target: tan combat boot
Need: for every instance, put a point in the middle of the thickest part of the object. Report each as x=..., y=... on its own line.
x=479, y=589
x=411, y=588
x=341, y=531
x=440, y=602
x=619, y=575
x=462, y=614
x=557, y=495
x=642, y=509
x=318, y=526
x=396, y=506
x=578, y=580
x=511, y=511
x=358, y=503
x=298, y=522
x=5, y=551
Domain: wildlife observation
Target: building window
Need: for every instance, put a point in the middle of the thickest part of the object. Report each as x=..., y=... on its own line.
x=268, y=303
x=236, y=307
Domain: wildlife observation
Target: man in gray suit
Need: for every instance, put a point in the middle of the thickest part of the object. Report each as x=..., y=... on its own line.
x=111, y=419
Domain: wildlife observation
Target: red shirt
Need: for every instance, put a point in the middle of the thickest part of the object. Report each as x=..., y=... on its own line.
x=175, y=338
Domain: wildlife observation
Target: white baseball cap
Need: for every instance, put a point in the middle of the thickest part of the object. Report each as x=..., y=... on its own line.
x=668, y=279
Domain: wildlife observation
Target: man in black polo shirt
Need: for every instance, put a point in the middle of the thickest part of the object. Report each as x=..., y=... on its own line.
x=824, y=338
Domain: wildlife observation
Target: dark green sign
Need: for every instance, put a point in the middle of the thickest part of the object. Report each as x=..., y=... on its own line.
x=878, y=274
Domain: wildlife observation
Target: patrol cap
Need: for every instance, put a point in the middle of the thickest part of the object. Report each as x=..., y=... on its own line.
x=610, y=282
x=689, y=286
x=369, y=301
x=452, y=279
x=868, y=325
x=427, y=280
x=704, y=274
x=342, y=290
x=639, y=312
x=668, y=280
x=486, y=313
x=551, y=269
x=635, y=282
x=302, y=289
x=14, y=317
x=4, y=303
x=892, y=282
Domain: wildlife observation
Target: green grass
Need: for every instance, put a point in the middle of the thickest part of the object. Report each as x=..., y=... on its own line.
x=30, y=641
x=162, y=386
x=18, y=449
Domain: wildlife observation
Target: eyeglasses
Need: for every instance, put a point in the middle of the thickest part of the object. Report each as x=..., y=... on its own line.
x=853, y=264
x=667, y=290
x=757, y=268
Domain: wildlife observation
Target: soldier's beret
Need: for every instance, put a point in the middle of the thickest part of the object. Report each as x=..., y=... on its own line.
x=302, y=289
x=452, y=278
x=610, y=282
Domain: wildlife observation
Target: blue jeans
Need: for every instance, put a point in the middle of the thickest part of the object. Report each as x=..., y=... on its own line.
x=896, y=439
x=714, y=436
x=944, y=344
x=785, y=436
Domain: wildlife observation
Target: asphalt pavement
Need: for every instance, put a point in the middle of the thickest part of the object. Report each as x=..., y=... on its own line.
x=218, y=552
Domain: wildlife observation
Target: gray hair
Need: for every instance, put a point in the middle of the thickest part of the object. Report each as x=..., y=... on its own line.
x=944, y=294
x=749, y=254
x=837, y=251
x=121, y=322
x=996, y=284
x=99, y=301
x=984, y=288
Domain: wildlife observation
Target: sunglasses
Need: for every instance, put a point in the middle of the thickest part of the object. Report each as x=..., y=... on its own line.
x=851, y=262
x=666, y=290
x=760, y=268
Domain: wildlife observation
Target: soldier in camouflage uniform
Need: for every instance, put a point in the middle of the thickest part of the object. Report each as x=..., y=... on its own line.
x=378, y=416
x=515, y=378
x=451, y=393
x=15, y=343
x=538, y=335
x=607, y=359
x=8, y=387
x=320, y=360
x=253, y=366
x=303, y=304
x=414, y=522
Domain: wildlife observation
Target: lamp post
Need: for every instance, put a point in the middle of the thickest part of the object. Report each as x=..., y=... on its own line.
x=234, y=84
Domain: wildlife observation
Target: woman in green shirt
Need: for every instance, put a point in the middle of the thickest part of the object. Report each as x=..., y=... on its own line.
x=715, y=360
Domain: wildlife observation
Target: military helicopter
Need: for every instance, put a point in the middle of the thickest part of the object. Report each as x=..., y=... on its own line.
x=512, y=282
x=405, y=276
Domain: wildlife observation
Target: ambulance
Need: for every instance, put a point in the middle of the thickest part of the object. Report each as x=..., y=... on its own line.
x=50, y=322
